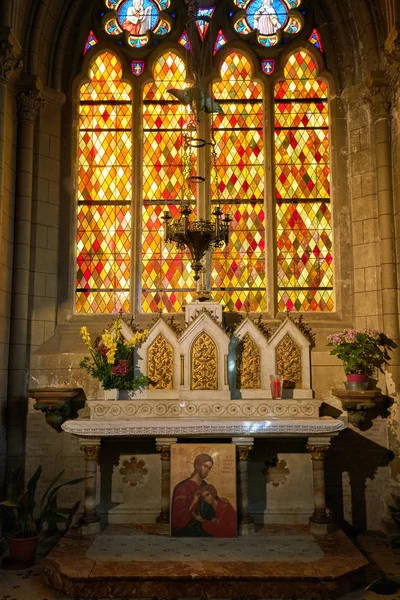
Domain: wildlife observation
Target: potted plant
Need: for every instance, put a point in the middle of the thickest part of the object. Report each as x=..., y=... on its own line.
x=362, y=352
x=29, y=517
x=111, y=359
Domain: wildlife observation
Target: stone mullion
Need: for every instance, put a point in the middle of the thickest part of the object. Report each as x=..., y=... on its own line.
x=28, y=104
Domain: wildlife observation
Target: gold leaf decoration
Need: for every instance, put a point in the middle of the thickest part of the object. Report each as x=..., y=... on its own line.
x=248, y=364
x=204, y=364
x=288, y=362
x=160, y=364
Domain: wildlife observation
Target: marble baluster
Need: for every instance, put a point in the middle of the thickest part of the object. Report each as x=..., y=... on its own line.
x=163, y=445
x=320, y=521
x=90, y=520
x=244, y=447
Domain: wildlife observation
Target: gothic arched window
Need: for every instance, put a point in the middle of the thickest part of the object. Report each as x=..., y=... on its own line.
x=274, y=181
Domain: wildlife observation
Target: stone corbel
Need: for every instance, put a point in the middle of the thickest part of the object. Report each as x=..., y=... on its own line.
x=380, y=94
x=55, y=403
x=10, y=61
x=29, y=100
x=361, y=407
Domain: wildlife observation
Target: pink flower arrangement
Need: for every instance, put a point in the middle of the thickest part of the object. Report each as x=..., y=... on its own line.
x=361, y=350
x=120, y=369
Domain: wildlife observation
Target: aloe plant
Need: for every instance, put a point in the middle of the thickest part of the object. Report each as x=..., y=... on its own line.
x=29, y=516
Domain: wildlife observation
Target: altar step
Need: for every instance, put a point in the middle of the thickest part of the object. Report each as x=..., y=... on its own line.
x=275, y=562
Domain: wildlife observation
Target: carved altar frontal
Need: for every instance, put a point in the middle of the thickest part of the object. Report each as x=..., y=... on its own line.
x=204, y=371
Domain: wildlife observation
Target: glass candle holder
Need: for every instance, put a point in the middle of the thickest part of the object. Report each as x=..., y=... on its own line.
x=276, y=383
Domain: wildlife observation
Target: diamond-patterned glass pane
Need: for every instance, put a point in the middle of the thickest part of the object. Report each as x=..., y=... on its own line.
x=238, y=271
x=104, y=191
x=302, y=177
x=167, y=282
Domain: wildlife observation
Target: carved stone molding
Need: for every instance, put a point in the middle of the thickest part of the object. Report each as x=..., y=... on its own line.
x=317, y=452
x=29, y=102
x=91, y=452
x=288, y=361
x=249, y=364
x=10, y=63
x=165, y=452
x=160, y=364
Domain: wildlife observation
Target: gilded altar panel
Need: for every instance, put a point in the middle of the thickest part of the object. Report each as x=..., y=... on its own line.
x=288, y=362
x=160, y=364
x=248, y=364
x=204, y=364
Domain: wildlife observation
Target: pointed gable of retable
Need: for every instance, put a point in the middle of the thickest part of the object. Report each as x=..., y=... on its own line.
x=292, y=355
x=253, y=363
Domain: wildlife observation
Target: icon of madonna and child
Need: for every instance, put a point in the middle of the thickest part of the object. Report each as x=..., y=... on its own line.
x=198, y=508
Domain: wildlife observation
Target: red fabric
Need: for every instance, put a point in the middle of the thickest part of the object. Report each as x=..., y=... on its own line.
x=224, y=523
x=182, y=499
x=134, y=29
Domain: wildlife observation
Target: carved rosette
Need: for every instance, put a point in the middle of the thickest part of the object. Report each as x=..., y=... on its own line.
x=10, y=63
x=29, y=101
x=134, y=471
x=317, y=452
x=91, y=452
x=160, y=364
x=204, y=367
x=288, y=361
x=248, y=364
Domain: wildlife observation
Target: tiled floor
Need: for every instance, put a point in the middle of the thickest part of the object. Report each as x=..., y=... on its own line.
x=28, y=584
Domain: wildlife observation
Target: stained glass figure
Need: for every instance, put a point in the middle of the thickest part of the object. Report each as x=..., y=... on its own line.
x=268, y=18
x=220, y=41
x=104, y=190
x=302, y=177
x=138, y=16
x=90, y=42
x=268, y=66
x=202, y=26
x=315, y=39
x=185, y=42
x=167, y=281
x=137, y=67
x=238, y=271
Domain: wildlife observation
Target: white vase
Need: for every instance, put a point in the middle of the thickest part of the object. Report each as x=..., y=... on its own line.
x=110, y=395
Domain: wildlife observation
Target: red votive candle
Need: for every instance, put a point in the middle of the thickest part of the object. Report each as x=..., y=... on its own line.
x=277, y=385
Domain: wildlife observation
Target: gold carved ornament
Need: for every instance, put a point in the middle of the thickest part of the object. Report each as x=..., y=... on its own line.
x=248, y=364
x=165, y=452
x=244, y=452
x=160, y=364
x=317, y=452
x=91, y=452
x=288, y=361
x=204, y=364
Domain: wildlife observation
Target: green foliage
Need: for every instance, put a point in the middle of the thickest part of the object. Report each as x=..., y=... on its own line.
x=361, y=351
x=29, y=516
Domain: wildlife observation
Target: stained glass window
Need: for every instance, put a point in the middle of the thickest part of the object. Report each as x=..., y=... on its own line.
x=104, y=190
x=167, y=281
x=238, y=271
x=302, y=177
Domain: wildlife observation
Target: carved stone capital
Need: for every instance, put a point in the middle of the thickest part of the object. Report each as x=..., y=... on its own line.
x=317, y=452
x=165, y=452
x=244, y=452
x=10, y=63
x=380, y=94
x=392, y=54
x=91, y=452
x=29, y=101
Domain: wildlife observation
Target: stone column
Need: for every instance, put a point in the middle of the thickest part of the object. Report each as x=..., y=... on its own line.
x=320, y=521
x=163, y=445
x=244, y=446
x=90, y=520
x=28, y=104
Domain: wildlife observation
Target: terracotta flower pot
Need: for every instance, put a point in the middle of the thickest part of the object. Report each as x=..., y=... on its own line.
x=22, y=550
x=355, y=377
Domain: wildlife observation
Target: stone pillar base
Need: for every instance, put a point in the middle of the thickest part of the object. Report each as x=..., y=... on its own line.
x=162, y=529
x=247, y=528
x=322, y=528
x=89, y=528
